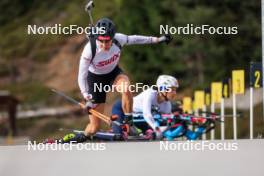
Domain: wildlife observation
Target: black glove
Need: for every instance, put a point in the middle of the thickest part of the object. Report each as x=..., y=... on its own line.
x=167, y=38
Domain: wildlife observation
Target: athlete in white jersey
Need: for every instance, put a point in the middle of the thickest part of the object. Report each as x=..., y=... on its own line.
x=160, y=97
x=101, y=68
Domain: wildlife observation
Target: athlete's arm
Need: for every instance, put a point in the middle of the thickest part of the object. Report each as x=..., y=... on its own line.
x=84, y=69
x=139, y=39
x=147, y=112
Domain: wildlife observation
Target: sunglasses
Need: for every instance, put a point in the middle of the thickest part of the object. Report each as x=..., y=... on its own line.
x=104, y=41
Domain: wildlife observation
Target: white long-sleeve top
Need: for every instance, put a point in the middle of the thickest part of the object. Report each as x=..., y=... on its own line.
x=105, y=61
x=144, y=102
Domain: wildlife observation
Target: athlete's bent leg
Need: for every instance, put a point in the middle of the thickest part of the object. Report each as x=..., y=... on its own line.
x=94, y=124
x=122, y=84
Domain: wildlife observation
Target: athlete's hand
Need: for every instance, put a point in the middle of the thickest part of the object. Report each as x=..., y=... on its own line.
x=88, y=97
x=167, y=38
x=89, y=102
x=89, y=105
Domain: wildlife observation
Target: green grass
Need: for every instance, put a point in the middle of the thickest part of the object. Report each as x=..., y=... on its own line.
x=15, y=42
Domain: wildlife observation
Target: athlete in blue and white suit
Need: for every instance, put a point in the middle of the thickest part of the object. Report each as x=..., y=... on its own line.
x=160, y=97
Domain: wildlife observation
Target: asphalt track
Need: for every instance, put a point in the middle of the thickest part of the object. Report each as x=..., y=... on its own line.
x=137, y=158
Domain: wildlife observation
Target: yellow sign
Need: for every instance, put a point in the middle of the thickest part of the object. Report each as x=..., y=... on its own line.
x=187, y=105
x=257, y=75
x=225, y=91
x=238, y=81
x=216, y=92
x=207, y=99
x=199, y=99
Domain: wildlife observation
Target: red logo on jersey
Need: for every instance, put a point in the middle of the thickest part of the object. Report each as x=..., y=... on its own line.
x=108, y=61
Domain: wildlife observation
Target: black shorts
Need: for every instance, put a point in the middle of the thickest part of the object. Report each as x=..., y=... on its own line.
x=101, y=81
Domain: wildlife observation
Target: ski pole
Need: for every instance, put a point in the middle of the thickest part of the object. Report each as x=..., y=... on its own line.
x=92, y=111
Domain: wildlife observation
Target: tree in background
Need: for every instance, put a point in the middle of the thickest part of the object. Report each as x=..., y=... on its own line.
x=196, y=59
